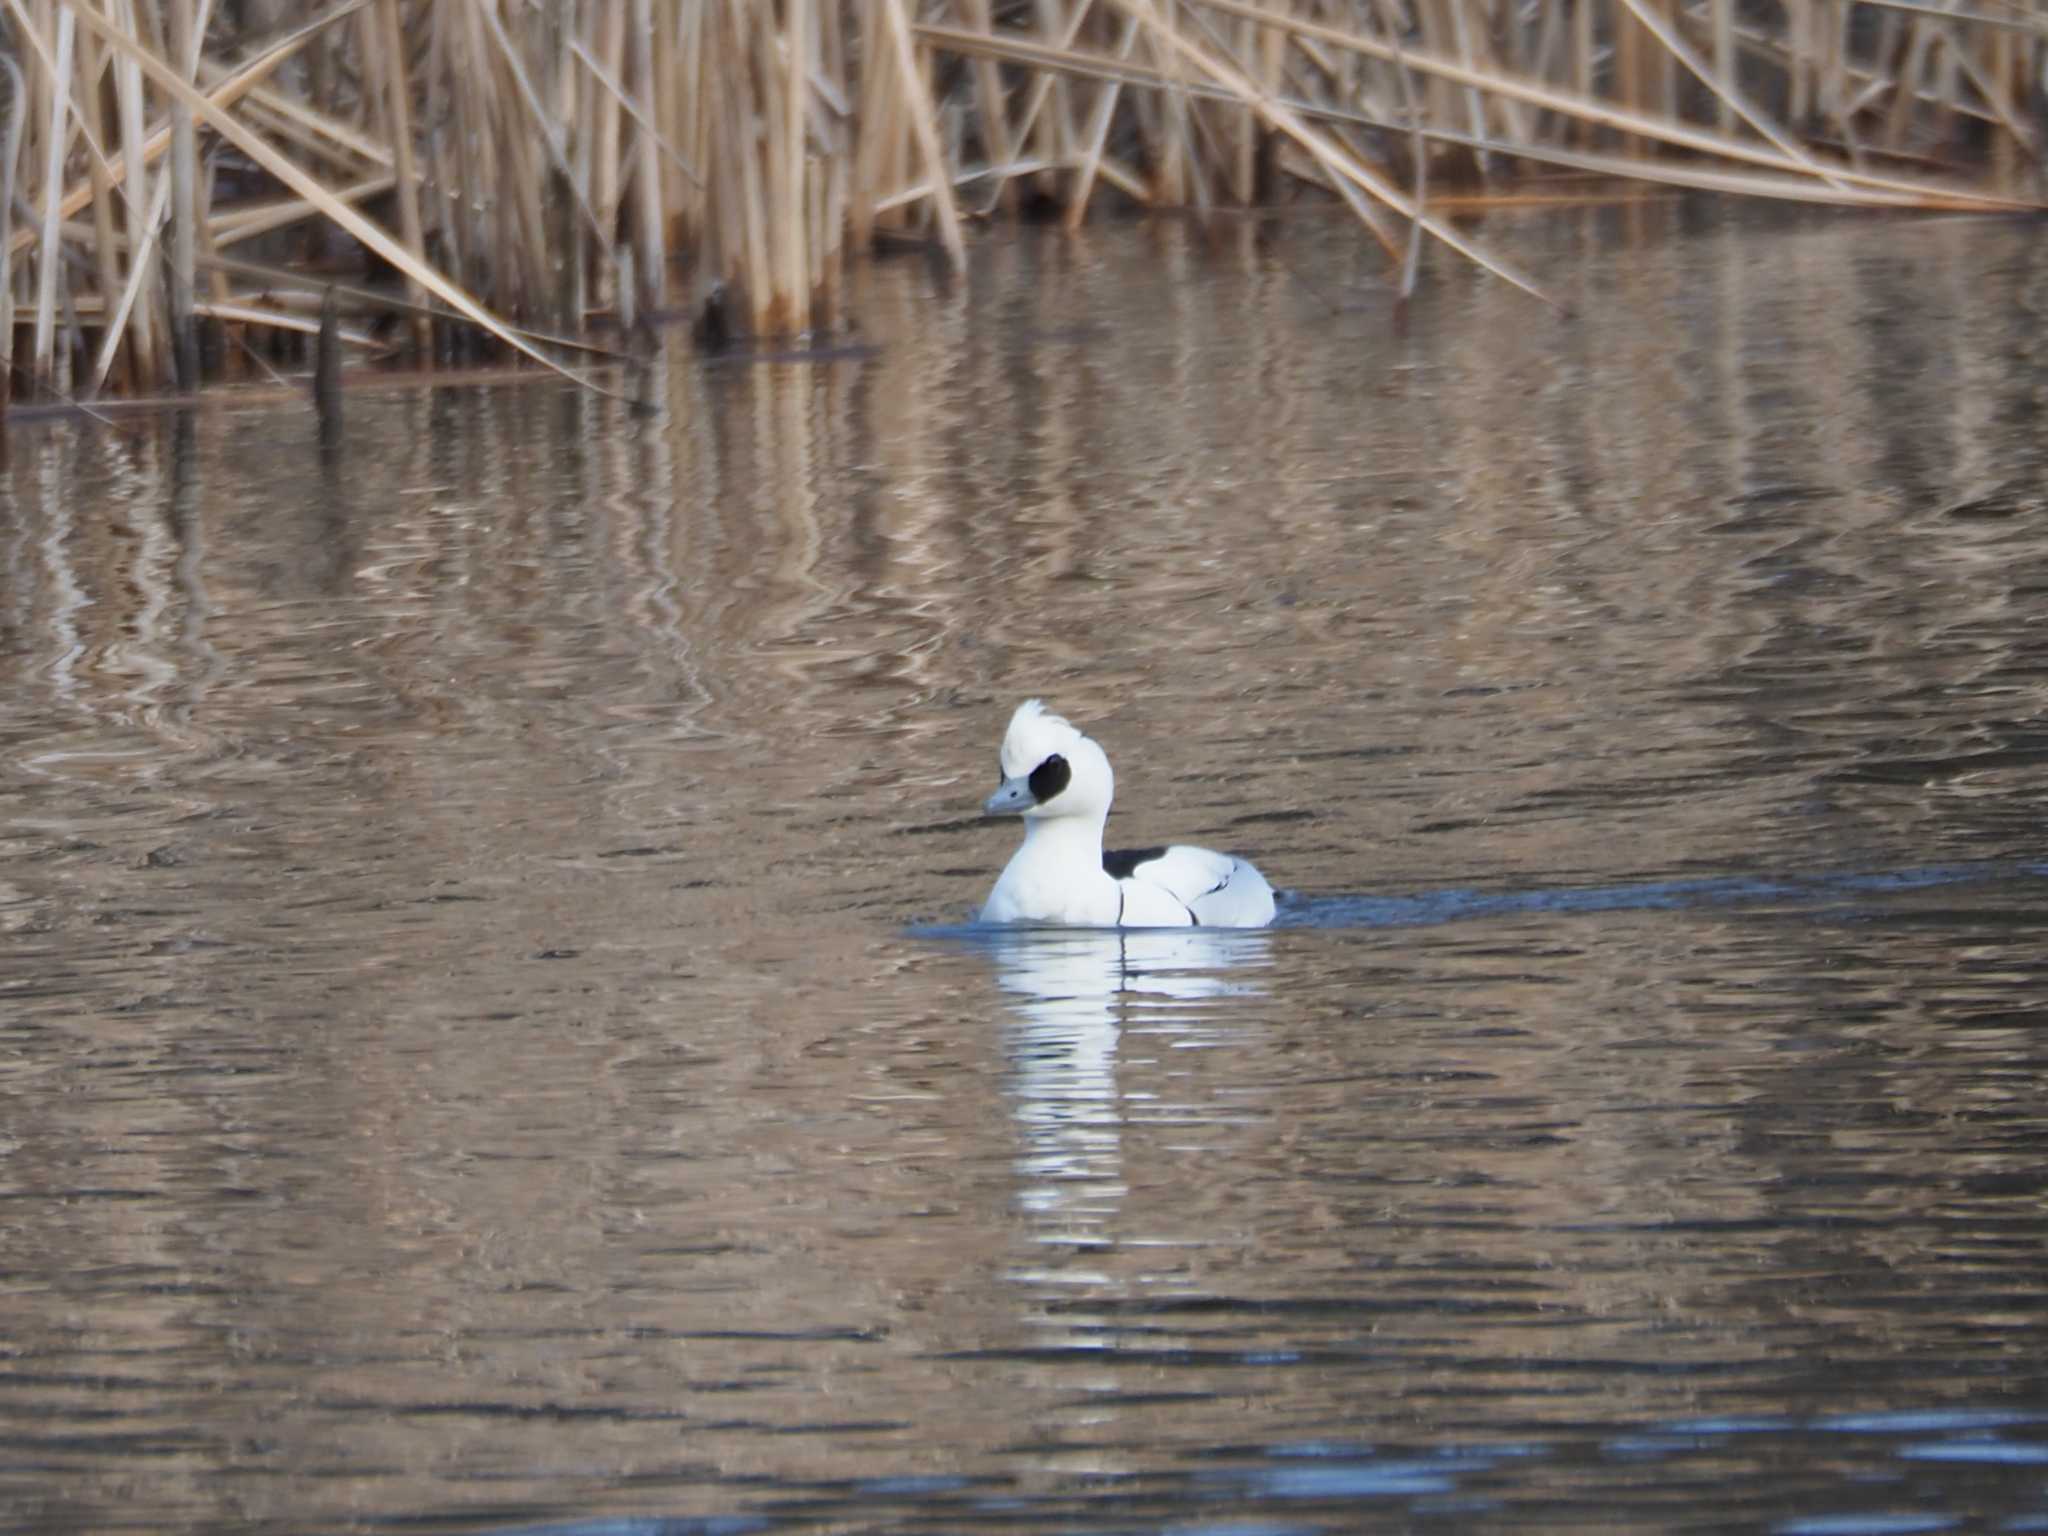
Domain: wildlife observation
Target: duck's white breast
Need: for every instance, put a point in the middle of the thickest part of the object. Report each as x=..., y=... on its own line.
x=1040, y=890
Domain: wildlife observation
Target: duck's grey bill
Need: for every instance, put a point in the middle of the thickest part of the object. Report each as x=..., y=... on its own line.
x=1013, y=797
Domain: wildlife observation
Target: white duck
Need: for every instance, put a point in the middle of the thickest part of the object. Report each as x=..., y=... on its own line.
x=1059, y=781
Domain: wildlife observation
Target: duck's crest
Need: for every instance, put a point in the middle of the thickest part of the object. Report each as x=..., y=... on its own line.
x=1035, y=733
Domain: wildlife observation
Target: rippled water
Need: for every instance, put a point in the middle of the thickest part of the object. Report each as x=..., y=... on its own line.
x=488, y=1038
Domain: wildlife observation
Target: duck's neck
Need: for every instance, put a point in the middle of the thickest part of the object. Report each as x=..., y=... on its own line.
x=1065, y=838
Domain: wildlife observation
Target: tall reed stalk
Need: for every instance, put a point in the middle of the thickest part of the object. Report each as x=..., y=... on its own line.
x=172, y=168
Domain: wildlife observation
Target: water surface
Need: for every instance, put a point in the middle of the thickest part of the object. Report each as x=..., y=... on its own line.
x=488, y=1039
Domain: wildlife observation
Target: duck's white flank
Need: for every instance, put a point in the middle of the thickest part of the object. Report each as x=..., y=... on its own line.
x=1060, y=782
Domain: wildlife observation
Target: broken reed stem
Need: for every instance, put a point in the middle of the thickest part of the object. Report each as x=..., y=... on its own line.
x=648, y=218
x=184, y=205
x=327, y=363
x=523, y=162
x=50, y=267
x=398, y=107
x=10, y=148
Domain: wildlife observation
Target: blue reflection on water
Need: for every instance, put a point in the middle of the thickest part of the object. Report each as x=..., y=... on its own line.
x=1430, y=908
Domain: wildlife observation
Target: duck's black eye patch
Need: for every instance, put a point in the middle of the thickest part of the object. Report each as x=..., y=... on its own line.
x=1049, y=778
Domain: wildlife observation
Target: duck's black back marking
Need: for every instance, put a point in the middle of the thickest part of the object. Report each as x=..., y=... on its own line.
x=1123, y=861
x=1049, y=778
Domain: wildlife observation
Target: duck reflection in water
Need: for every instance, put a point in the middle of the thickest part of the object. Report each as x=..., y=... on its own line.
x=1073, y=994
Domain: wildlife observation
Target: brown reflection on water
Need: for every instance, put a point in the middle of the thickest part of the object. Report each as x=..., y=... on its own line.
x=461, y=1052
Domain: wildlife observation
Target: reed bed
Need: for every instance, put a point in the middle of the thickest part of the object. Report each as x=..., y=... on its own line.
x=185, y=184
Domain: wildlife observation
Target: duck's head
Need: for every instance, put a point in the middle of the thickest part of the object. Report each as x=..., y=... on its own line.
x=1050, y=769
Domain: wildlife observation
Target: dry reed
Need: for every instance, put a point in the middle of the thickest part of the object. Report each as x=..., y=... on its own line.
x=520, y=166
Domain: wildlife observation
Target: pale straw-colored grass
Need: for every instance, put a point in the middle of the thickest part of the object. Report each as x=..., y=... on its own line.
x=525, y=168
